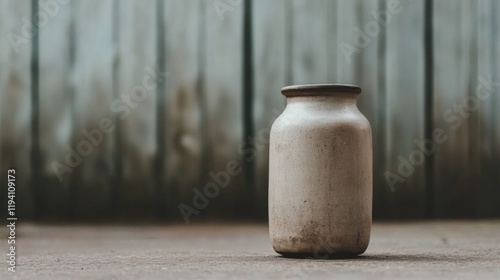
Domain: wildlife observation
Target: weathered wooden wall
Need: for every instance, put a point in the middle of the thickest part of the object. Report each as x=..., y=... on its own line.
x=423, y=67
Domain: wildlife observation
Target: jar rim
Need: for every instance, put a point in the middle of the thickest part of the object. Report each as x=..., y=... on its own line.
x=319, y=89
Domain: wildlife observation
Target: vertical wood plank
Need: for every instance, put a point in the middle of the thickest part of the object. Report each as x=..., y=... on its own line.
x=223, y=85
x=186, y=107
x=136, y=60
x=93, y=79
x=159, y=162
x=429, y=106
x=310, y=37
x=248, y=104
x=363, y=64
x=405, y=108
x=56, y=125
x=15, y=101
x=495, y=54
x=270, y=70
x=350, y=20
x=35, y=153
x=453, y=21
x=488, y=181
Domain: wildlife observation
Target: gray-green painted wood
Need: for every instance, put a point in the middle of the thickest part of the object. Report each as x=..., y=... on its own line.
x=93, y=52
x=223, y=79
x=136, y=55
x=488, y=142
x=404, y=108
x=186, y=111
x=56, y=90
x=270, y=70
x=93, y=79
x=454, y=73
x=15, y=101
x=361, y=62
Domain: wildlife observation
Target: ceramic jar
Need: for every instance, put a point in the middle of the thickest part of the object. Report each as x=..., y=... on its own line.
x=320, y=177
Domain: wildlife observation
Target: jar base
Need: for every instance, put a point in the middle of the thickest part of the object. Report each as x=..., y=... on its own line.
x=325, y=255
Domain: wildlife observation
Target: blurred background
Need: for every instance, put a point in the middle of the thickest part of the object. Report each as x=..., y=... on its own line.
x=120, y=110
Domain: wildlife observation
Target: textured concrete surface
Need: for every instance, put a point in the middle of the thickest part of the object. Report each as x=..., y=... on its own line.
x=431, y=250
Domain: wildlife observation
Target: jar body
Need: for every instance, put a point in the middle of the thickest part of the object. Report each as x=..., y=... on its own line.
x=320, y=180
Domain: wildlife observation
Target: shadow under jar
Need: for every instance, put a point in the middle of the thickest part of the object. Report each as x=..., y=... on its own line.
x=320, y=177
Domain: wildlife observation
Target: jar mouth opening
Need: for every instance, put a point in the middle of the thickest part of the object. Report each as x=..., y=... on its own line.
x=320, y=90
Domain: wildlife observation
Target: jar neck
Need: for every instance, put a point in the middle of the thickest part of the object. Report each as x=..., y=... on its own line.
x=330, y=102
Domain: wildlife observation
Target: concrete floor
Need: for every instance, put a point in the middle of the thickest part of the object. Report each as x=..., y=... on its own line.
x=431, y=250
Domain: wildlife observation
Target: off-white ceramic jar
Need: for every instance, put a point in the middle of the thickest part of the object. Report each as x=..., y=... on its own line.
x=320, y=181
